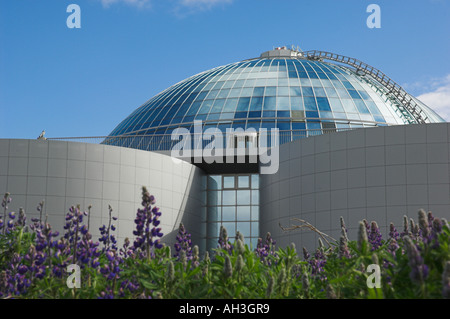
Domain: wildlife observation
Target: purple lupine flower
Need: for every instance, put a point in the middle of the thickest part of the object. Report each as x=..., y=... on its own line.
x=223, y=240
x=106, y=237
x=14, y=279
x=88, y=252
x=343, y=242
x=5, y=201
x=126, y=250
x=40, y=209
x=374, y=236
x=392, y=247
x=344, y=230
x=419, y=271
x=393, y=233
x=415, y=229
x=317, y=264
x=344, y=252
x=446, y=281
x=21, y=220
x=228, y=268
x=437, y=225
x=406, y=231
x=263, y=250
x=147, y=221
x=195, y=256
x=111, y=269
x=362, y=235
x=423, y=225
x=183, y=242
x=22, y=269
x=306, y=254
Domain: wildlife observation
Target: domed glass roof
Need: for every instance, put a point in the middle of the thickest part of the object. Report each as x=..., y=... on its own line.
x=299, y=96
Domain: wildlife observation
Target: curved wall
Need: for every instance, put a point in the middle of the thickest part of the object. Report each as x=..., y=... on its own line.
x=378, y=174
x=64, y=174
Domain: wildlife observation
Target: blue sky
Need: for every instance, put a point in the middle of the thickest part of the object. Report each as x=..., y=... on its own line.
x=83, y=82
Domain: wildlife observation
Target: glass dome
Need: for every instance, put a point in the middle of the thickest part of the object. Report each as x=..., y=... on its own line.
x=299, y=96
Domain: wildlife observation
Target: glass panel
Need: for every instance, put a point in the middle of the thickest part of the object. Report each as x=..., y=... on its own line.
x=323, y=104
x=336, y=105
x=283, y=103
x=243, y=213
x=255, y=181
x=228, y=213
x=258, y=91
x=255, y=212
x=310, y=103
x=243, y=104
x=319, y=91
x=255, y=229
x=270, y=103
x=243, y=197
x=295, y=91
x=231, y=229
x=255, y=197
x=244, y=228
x=271, y=91
x=307, y=91
x=228, y=182
x=253, y=242
x=243, y=181
x=229, y=197
x=283, y=91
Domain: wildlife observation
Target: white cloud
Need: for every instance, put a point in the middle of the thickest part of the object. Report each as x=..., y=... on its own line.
x=187, y=7
x=136, y=3
x=437, y=97
x=181, y=6
x=203, y=4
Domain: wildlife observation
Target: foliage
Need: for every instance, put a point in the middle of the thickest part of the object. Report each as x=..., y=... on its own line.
x=34, y=260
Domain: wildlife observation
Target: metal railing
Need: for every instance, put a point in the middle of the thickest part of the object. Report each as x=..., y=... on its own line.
x=393, y=88
x=167, y=142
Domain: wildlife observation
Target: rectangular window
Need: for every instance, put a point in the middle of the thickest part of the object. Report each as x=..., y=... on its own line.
x=232, y=202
